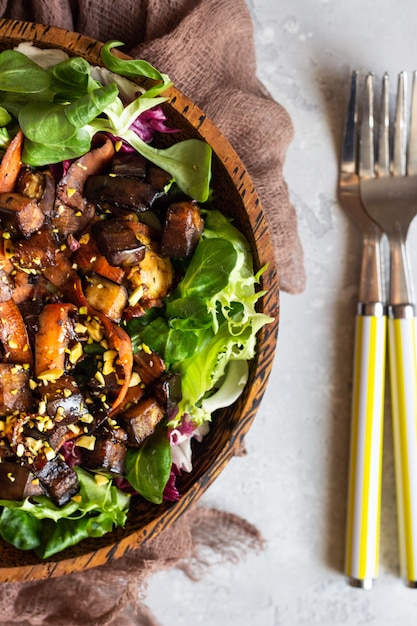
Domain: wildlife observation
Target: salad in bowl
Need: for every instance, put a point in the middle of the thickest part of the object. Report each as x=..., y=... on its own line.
x=128, y=300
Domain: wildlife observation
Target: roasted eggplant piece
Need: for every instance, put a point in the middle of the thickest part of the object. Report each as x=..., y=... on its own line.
x=157, y=176
x=58, y=479
x=167, y=390
x=131, y=194
x=129, y=164
x=118, y=242
x=182, y=229
x=20, y=214
x=69, y=221
x=29, y=311
x=107, y=452
x=39, y=185
x=37, y=252
x=17, y=482
x=149, y=365
x=141, y=419
x=63, y=398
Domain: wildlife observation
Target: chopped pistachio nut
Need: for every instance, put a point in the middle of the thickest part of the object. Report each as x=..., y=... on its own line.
x=134, y=379
x=87, y=418
x=75, y=353
x=74, y=428
x=86, y=441
x=49, y=452
x=101, y=479
x=94, y=329
x=50, y=375
x=100, y=378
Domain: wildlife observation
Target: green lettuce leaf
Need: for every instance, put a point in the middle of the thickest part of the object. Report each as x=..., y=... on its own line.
x=48, y=529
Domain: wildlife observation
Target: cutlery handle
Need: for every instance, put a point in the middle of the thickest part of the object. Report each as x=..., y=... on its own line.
x=402, y=327
x=364, y=495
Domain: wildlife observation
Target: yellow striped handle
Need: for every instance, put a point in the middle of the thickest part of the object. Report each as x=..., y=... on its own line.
x=403, y=376
x=364, y=496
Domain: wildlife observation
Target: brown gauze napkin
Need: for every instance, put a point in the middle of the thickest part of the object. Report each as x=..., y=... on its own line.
x=207, y=49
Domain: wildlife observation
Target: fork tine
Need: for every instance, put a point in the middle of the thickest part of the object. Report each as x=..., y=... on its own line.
x=412, y=135
x=350, y=132
x=367, y=152
x=383, y=135
x=399, y=162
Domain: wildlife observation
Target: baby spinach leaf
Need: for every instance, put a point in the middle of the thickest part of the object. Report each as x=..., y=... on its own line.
x=148, y=468
x=20, y=529
x=72, y=77
x=134, y=68
x=20, y=74
x=38, y=154
x=14, y=102
x=171, y=343
x=186, y=313
x=180, y=345
x=85, y=109
x=49, y=123
x=42, y=120
x=5, y=116
x=210, y=267
x=127, y=67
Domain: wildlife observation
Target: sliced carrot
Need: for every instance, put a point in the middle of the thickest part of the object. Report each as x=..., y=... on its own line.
x=52, y=340
x=120, y=341
x=13, y=334
x=11, y=163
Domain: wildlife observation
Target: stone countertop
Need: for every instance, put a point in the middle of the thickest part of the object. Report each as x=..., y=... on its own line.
x=292, y=484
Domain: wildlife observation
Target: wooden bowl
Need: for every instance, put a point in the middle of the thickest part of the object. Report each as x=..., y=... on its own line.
x=237, y=198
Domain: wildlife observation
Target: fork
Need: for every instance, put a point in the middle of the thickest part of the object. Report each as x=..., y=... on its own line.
x=388, y=188
x=363, y=511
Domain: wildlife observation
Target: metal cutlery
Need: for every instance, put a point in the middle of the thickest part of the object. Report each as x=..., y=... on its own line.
x=388, y=189
x=363, y=517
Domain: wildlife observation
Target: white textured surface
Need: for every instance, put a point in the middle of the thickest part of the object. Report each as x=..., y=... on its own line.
x=292, y=484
